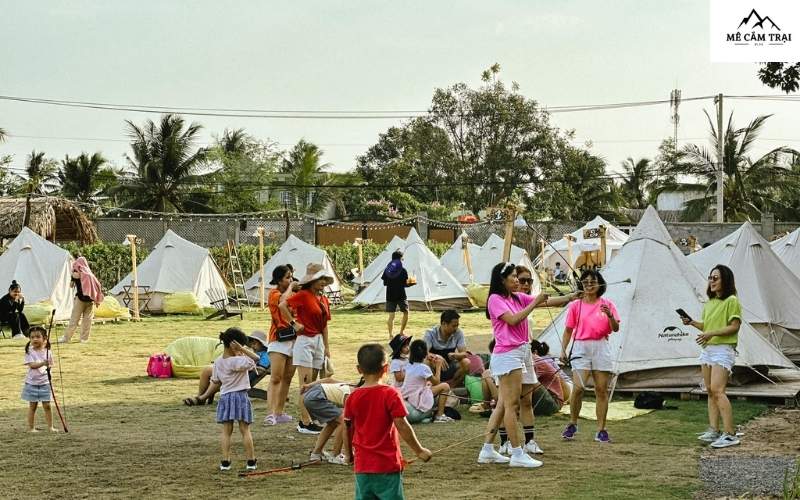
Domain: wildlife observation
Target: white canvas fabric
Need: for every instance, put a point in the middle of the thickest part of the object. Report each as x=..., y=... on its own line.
x=175, y=265
x=652, y=347
x=615, y=238
x=483, y=259
x=436, y=288
x=42, y=269
x=767, y=289
x=788, y=250
x=375, y=268
x=299, y=254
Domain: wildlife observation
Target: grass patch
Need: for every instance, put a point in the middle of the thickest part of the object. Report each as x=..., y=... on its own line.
x=131, y=436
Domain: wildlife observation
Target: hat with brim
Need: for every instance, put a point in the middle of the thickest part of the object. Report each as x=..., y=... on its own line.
x=259, y=336
x=316, y=272
x=397, y=343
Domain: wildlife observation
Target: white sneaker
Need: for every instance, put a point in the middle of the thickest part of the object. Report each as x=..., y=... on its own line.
x=339, y=459
x=532, y=447
x=491, y=457
x=505, y=449
x=725, y=440
x=709, y=436
x=315, y=457
x=443, y=419
x=524, y=460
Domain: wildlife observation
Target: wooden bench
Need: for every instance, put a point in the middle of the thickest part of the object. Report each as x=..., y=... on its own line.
x=219, y=300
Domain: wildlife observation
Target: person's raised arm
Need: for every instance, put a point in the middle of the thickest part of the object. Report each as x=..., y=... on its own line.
x=408, y=435
x=562, y=300
x=515, y=319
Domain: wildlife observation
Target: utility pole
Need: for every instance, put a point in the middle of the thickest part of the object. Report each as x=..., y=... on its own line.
x=720, y=161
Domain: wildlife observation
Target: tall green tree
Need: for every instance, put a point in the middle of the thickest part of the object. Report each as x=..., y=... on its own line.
x=750, y=184
x=636, y=182
x=84, y=178
x=41, y=174
x=165, y=165
x=244, y=167
x=307, y=179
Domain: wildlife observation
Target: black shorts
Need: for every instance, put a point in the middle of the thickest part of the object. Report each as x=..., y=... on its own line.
x=393, y=306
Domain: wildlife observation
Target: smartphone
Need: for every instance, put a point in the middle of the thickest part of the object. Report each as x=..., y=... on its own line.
x=683, y=314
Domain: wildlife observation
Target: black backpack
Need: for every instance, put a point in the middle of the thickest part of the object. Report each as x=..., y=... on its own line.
x=649, y=401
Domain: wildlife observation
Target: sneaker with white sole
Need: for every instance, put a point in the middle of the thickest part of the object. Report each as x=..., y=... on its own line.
x=339, y=459
x=252, y=464
x=225, y=465
x=315, y=457
x=725, y=440
x=524, y=460
x=602, y=437
x=443, y=419
x=270, y=420
x=532, y=447
x=309, y=428
x=709, y=436
x=569, y=432
x=491, y=457
x=505, y=448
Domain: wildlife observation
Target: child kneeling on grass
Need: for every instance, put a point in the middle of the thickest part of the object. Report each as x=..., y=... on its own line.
x=324, y=400
x=375, y=415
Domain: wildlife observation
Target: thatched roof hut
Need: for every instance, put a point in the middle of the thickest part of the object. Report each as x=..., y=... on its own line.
x=55, y=219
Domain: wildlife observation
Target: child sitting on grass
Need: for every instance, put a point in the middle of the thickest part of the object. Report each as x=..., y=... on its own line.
x=375, y=415
x=324, y=400
x=397, y=368
x=422, y=385
x=37, y=387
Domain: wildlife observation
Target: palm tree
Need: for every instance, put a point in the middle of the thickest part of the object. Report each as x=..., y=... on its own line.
x=3, y=134
x=165, y=163
x=41, y=174
x=233, y=142
x=750, y=185
x=81, y=177
x=636, y=183
x=305, y=168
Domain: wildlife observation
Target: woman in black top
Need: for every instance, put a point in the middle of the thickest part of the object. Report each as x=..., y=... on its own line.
x=11, y=306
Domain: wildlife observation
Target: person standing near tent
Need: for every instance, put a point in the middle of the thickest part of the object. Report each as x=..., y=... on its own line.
x=88, y=292
x=395, y=279
x=591, y=319
x=310, y=312
x=11, y=306
x=722, y=317
x=511, y=361
x=280, y=351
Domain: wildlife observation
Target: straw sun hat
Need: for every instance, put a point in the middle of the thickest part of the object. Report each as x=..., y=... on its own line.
x=315, y=272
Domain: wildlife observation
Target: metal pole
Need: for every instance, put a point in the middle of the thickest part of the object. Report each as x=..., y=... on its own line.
x=720, y=162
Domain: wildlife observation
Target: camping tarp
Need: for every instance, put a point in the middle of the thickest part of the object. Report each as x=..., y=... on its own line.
x=299, y=254
x=652, y=347
x=176, y=265
x=42, y=269
x=767, y=289
x=483, y=259
x=435, y=289
x=584, y=247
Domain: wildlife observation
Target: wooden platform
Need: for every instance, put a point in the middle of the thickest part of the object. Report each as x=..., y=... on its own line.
x=786, y=389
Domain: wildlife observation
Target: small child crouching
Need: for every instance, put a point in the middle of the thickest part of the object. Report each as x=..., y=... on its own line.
x=375, y=415
x=324, y=400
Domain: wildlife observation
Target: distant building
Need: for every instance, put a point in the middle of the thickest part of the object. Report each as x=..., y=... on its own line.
x=676, y=200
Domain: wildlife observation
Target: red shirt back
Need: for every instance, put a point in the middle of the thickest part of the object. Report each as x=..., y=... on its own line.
x=376, y=443
x=311, y=311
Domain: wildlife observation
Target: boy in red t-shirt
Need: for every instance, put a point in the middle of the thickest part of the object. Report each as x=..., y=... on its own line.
x=375, y=414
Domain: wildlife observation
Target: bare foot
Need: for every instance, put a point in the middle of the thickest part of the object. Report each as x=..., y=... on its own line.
x=33, y=430
x=53, y=429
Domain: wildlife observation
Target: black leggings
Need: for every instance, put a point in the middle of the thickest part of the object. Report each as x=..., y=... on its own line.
x=18, y=323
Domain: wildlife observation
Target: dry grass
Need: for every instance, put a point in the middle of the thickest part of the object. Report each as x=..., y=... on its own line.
x=131, y=437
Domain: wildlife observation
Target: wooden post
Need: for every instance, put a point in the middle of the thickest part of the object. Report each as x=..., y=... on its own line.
x=359, y=243
x=542, y=267
x=134, y=277
x=602, y=259
x=467, y=256
x=261, y=265
x=511, y=213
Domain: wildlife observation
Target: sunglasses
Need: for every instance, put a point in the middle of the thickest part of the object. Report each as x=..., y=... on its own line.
x=713, y=278
x=525, y=281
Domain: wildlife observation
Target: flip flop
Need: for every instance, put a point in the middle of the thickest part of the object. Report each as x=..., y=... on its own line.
x=189, y=401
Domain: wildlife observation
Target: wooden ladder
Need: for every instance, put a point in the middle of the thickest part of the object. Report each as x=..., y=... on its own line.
x=239, y=293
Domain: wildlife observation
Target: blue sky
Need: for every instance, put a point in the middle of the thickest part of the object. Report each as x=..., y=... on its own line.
x=361, y=55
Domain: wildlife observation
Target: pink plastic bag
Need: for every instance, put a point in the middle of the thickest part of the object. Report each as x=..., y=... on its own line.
x=159, y=366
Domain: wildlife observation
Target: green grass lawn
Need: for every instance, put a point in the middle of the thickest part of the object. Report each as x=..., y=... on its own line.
x=130, y=436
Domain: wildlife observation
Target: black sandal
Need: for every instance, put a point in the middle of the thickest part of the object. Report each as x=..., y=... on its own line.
x=189, y=401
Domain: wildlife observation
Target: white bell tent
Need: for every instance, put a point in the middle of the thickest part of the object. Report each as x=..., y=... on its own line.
x=299, y=254
x=375, y=268
x=787, y=249
x=585, y=250
x=42, y=269
x=768, y=290
x=436, y=288
x=652, y=347
x=175, y=265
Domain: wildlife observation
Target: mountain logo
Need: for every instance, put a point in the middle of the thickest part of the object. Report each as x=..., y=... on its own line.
x=760, y=21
